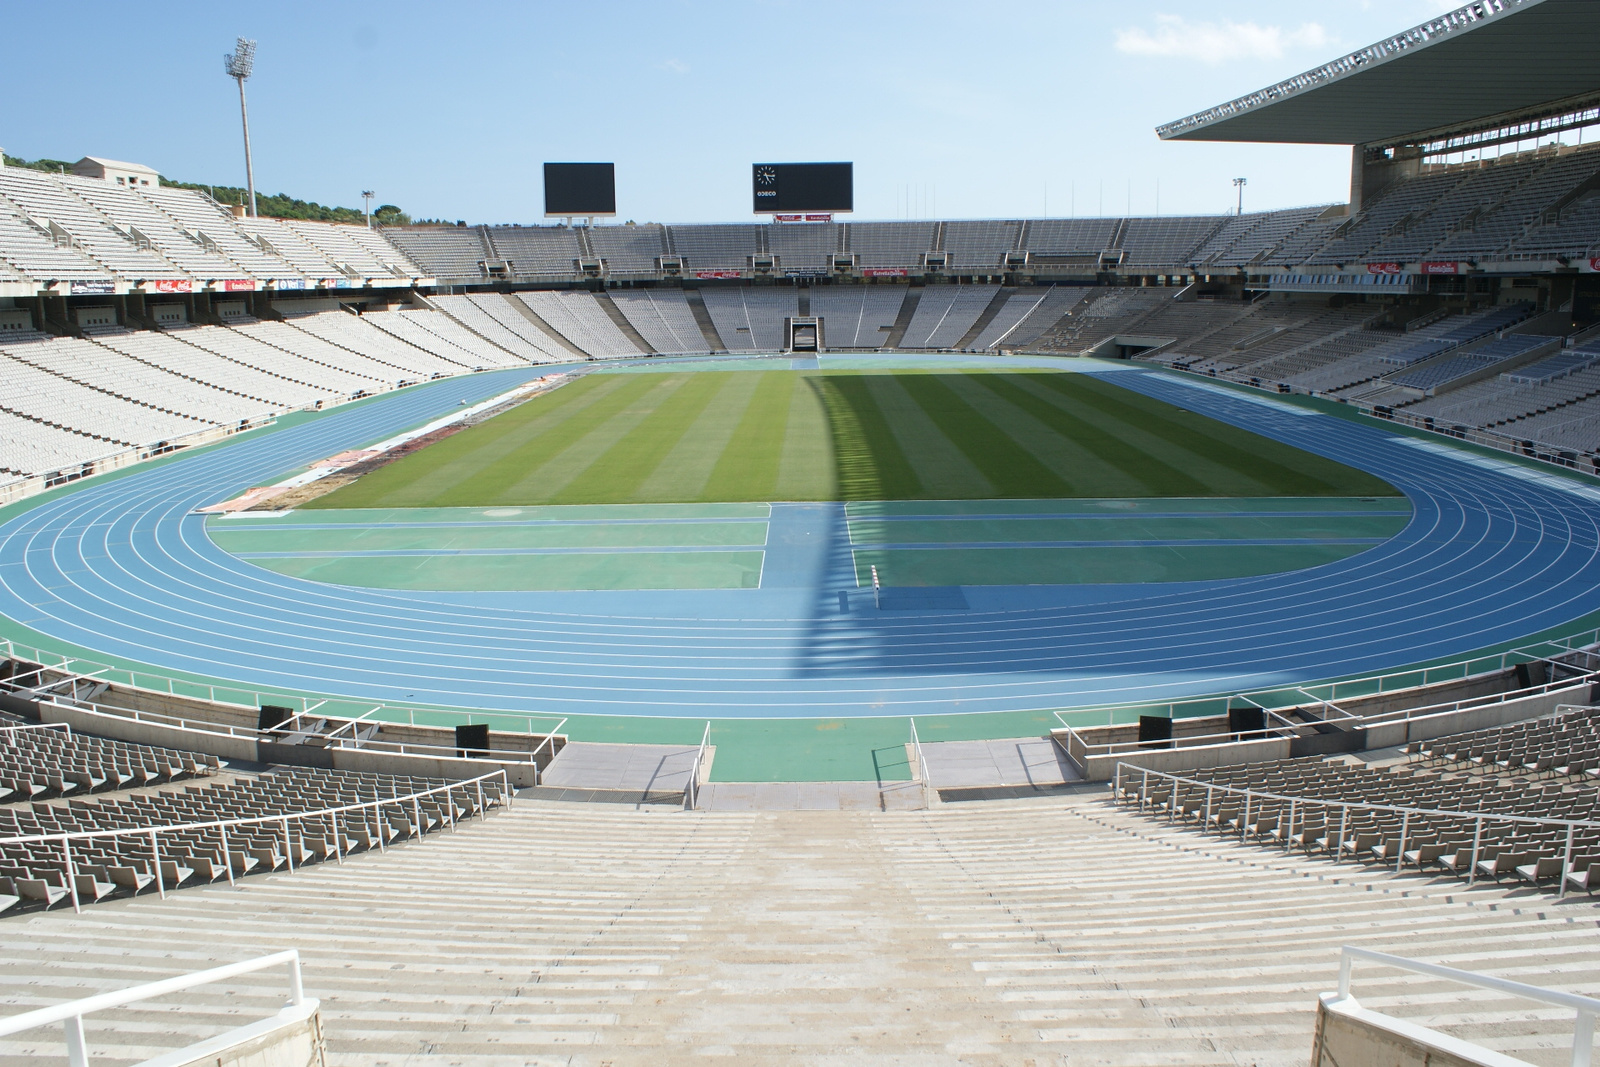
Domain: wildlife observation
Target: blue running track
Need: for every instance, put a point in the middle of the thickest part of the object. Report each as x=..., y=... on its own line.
x=1494, y=553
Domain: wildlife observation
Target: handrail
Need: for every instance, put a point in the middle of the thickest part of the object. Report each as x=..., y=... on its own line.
x=72, y=1012
x=1346, y=806
x=283, y=819
x=691, y=789
x=1586, y=1007
x=922, y=765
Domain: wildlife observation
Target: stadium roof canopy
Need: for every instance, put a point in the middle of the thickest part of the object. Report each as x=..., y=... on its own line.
x=1493, y=62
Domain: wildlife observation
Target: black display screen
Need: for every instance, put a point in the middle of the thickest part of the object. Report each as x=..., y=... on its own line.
x=785, y=187
x=580, y=189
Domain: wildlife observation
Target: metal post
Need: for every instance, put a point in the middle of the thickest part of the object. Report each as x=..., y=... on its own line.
x=288, y=845
x=1582, y=1039
x=155, y=863
x=1477, y=836
x=1244, y=819
x=72, y=883
x=1400, y=853
x=416, y=815
x=1144, y=785
x=1289, y=833
x=1338, y=846
x=338, y=839
x=227, y=857
x=297, y=989
x=1205, y=821
x=1345, y=960
x=1116, y=785
x=481, y=808
x=1566, y=862
x=77, y=1048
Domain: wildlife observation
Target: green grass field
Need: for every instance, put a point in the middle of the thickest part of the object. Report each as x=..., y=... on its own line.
x=783, y=435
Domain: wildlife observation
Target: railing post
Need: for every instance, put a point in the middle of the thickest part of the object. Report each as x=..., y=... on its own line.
x=1566, y=862
x=227, y=857
x=1144, y=785
x=1582, y=1039
x=481, y=809
x=1205, y=821
x=72, y=886
x=1116, y=785
x=416, y=814
x=1345, y=960
x=1244, y=819
x=288, y=845
x=1477, y=838
x=155, y=865
x=297, y=990
x=77, y=1048
x=1289, y=832
x=1400, y=853
x=1338, y=846
x=338, y=839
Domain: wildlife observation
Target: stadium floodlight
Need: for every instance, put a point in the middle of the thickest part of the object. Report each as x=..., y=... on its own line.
x=1239, y=183
x=366, y=196
x=239, y=66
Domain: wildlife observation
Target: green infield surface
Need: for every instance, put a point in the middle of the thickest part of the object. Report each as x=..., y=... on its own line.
x=854, y=435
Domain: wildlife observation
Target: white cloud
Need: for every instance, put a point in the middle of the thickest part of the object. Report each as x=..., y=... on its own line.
x=1218, y=42
x=675, y=66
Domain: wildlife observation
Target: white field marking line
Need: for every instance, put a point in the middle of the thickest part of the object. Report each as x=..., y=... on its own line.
x=318, y=473
x=1267, y=402
x=1500, y=466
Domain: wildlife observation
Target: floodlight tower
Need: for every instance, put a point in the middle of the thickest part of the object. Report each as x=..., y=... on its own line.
x=1239, y=183
x=367, y=195
x=239, y=66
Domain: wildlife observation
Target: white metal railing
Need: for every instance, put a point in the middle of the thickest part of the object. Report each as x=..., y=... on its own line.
x=1585, y=1007
x=922, y=766
x=72, y=1012
x=1286, y=729
x=1301, y=806
x=279, y=822
x=691, y=788
x=9, y=731
x=1328, y=694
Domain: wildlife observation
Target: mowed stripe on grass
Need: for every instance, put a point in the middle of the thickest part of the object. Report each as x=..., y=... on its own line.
x=816, y=435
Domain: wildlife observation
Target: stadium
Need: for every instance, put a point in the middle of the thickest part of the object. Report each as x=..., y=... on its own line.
x=943, y=640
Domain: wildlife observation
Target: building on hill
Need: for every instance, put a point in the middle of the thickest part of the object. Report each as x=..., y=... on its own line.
x=133, y=175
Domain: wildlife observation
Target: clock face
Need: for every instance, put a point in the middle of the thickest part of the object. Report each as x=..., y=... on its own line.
x=766, y=176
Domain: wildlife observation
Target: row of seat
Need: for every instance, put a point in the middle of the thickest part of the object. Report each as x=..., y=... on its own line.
x=170, y=842
x=52, y=763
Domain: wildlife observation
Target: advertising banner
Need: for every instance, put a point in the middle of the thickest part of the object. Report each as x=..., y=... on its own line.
x=92, y=287
x=1383, y=268
x=173, y=285
x=1594, y=264
x=290, y=283
x=239, y=285
x=717, y=274
x=884, y=272
x=1441, y=268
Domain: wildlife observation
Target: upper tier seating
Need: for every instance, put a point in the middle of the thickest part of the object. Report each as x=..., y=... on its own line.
x=291, y=247
x=199, y=215
x=533, y=250
x=663, y=318
x=360, y=252
x=805, y=245
x=127, y=208
x=891, y=244
x=48, y=200
x=715, y=247
x=980, y=244
x=632, y=249
x=449, y=253
x=1165, y=242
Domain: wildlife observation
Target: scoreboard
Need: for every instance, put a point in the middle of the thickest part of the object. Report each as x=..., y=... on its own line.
x=801, y=187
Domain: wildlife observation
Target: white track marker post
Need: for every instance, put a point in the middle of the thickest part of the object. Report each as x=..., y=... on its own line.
x=876, y=602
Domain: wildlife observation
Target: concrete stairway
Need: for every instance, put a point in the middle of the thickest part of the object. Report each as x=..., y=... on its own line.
x=1022, y=932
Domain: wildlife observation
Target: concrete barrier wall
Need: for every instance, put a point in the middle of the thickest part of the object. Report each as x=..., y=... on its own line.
x=1178, y=760
x=1349, y=1034
x=1466, y=720
x=222, y=746
x=292, y=1038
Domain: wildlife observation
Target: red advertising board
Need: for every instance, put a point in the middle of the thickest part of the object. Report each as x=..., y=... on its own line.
x=1383, y=268
x=802, y=218
x=239, y=285
x=1441, y=268
x=716, y=274
x=884, y=272
x=1594, y=264
x=173, y=285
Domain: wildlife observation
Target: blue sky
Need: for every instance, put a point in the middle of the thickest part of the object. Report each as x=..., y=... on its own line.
x=447, y=109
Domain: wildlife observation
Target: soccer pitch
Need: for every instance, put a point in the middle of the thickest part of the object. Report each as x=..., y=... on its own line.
x=703, y=436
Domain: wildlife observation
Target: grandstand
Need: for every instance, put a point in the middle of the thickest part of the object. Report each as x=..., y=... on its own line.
x=906, y=699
